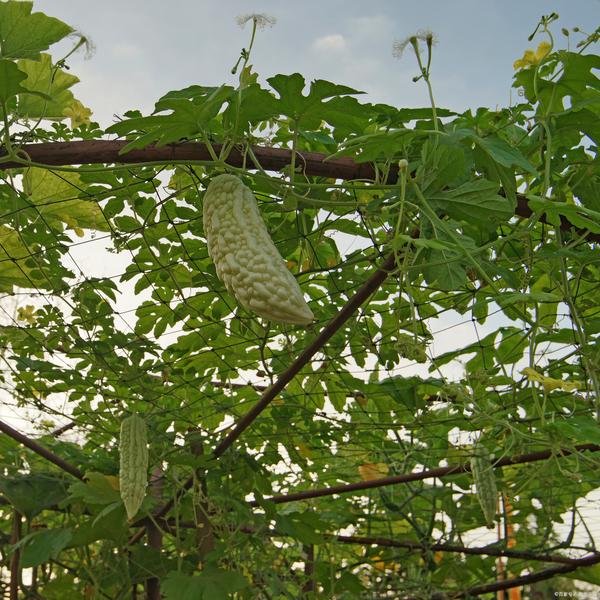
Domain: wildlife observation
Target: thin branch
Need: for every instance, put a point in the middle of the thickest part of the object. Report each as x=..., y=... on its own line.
x=39, y=449
x=274, y=159
x=421, y=475
x=507, y=584
x=481, y=551
x=63, y=429
x=168, y=525
x=365, y=292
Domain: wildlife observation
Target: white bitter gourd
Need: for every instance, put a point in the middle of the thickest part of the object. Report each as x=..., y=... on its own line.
x=246, y=259
x=133, y=467
x=485, y=483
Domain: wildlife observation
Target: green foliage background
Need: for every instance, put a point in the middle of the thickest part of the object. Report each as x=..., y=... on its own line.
x=189, y=359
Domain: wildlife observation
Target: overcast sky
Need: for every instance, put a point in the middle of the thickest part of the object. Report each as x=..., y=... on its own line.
x=145, y=48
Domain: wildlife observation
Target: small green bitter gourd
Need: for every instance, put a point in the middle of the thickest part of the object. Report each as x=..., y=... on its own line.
x=245, y=257
x=133, y=463
x=485, y=483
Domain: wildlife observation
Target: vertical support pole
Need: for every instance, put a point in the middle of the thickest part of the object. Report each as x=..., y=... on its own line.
x=154, y=534
x=15, y=559
x=309, y=569
x=205, y=537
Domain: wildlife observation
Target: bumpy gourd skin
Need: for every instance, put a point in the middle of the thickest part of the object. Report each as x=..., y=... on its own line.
x=485, y=484
x=133, y=467
x=246, y=259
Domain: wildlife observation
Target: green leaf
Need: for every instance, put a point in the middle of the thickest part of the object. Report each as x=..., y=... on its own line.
x=375, y=146
x=301, y=526
x=24, y=34
x=257, y=105
x=145, y=562
x=581, y=429
x=478, y=199
x=589, y=574
x=577, y=75
x=307, y=111
x=336, y=392
x=111, y=525
x=41, y=546
x=513, y=344
x=11, y=78
x=413, y=114
x=31, y=494
x=504, y=154
x=579, y=216
x=587, y=186
x=97, y=490
x=192, y=111
x=443, y=164
x=212, y=584
x=446, y=267
x=584, y=121
x=351, y=583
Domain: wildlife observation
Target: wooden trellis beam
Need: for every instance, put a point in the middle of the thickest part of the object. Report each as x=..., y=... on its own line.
x=313, y=163
x=85, y=152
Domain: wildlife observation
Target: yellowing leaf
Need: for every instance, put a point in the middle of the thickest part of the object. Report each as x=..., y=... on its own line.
x=45, y=78
x=549, y=383
x=361, y=399
x=369, y=471
x=378, y=563
x=532, y=374
x=304, y=450
x=381, y=565
x=14, y=256
x=26, y=313
x=113, y=481
x=78, y=113
x=60, y=197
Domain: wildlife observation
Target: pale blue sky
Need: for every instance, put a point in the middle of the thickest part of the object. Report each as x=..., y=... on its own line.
x=145, y=48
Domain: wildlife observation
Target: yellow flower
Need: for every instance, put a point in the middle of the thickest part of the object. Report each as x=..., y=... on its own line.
x=543, y=49
x=78, y=113
x=531, y=58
